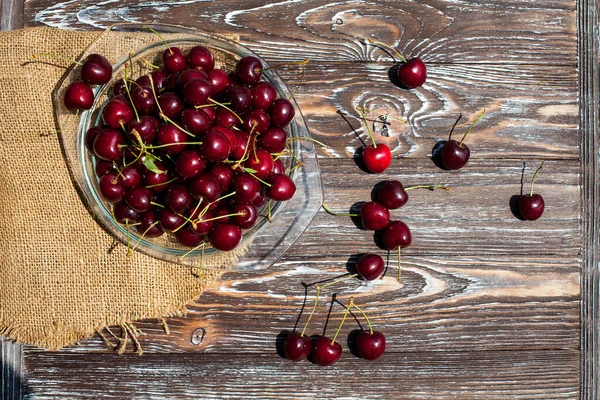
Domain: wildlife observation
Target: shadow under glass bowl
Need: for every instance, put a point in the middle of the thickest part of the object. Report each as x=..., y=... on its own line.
x=266, y=241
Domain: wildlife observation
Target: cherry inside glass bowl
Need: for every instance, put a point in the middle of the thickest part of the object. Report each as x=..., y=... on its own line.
x=261, y=245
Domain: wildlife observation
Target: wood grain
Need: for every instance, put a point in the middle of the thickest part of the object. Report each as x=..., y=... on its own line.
x=437, y=375
x=11, y=14
x=439, y=31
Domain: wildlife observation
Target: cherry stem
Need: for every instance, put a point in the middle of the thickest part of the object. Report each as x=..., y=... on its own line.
x=201, y=263
x=364, y=117
x=170, y=144
x=387, y=46
x=471, y=127
x=430, y=187
x=310, y=140
x=194, y=249
x=399, y=270
x=366, y=318
x=156, y=204
x=312, y=311
x=160, y=184
x=534, y=175
x=159, y=36
x=350, y=304
x=249, y=171
x=227, y=108
x=303, y=65
x=36, y=55
x=137, y=116
x=241, y=213
x=148, y=63
x=269, y=211
x=337, y=214
x=141, y=237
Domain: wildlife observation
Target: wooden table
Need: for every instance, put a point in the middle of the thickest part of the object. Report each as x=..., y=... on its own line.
x=489, y=307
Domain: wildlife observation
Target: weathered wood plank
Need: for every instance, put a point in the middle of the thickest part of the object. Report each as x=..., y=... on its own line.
x=11, y=14
x=435, y=375
x=11, y=370
x=531, y=111
x=439, y=31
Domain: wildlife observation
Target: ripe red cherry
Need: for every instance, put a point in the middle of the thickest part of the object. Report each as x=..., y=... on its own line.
x=239, y=97
x=125, y=214
x=189, y=164
x=248, y=70
x=374, y=216
x=138, y=199
x=197, y=122
x=157, y=180
x=78, y=96
x=202, y=225
x=223, y=173
x=296, y=347
x=174, y=60
x=177, y=198
x=263, y=95
x=412, y=73
x=215, y=146
x=225, y=236
x=196, y=92
x=188, y=238
x=392, y=195
x=226, y=118
x=143, y=100
x=370, y=266
x=149, y=225
x=247, y=215
x=103, y=167
x=261, y=162
x=130, y=177
x=396, y=234
x=90, y=135
x=96, y=70
x=159, y=79
x=377, y=159
x=110, y=188
x=206, y=186
x=370, y=346
x=282, y=113
x=199, y=57
x=273, y=140
x=531, y=207
x=172, y=136
x=256, y=121
x=246, y=187
x=188, y=75
x=171, y=105
x=324, y=352
x=146, y=126
x=117, y=113
x=108, y=144
x=170, y=221
x=219, y=80
x=282, y=187
x=455, y=155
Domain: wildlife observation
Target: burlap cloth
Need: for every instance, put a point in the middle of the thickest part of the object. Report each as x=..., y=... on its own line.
x=62, y=278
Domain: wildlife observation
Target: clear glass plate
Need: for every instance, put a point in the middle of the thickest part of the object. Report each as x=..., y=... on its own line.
x=266, y=241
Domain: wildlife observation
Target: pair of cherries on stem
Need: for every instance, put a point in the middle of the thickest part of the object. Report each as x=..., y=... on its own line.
x=325, y=351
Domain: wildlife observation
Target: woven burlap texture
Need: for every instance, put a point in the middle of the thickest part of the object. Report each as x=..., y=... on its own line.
x=59, y=279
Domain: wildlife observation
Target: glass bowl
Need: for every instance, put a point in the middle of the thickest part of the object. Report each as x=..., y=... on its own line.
x=267, y=240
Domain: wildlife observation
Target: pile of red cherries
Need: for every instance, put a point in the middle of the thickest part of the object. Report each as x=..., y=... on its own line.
x=188, y=149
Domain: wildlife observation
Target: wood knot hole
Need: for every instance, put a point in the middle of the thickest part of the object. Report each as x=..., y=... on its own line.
x=197, y=336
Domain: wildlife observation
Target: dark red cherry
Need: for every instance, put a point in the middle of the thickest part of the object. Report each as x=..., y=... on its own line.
x=370, y=266
x=159, y=79
x=326, y=352
x=149, y=225
x=296, y=347
x=173, y=137
x=223, y=173
x=125, y=214
x=110, y=188
x=392, y=195
x=256, y=121
x=239, y=97
x=455, y=155
x=146, y=127
x=247, y=215
x=374, y=216
x=109, y=144
x=370, y=346
x=155, y=180
x=196, y=92
x=90, y=135
x=273, y=140
x=395, y=234
x=78, y=96
x=413, y=73
x=171, y=105
x=263, y=95
x=243, y=145
x=261, y=161
x=225, y=236
x=282, y=187
x=377, y=159
x=170, y=221
x=96, y=70
x=174, y=60
x=130, y=177
x=205, y=186
x=189, y=164
x=196, y=121
x=103, y=167
x=246, y=187
x=248, y=70
x=117, y=113
x=119, y=88
x=138, y=199
x=282, y=113
x=531, y=206
x=219, y=80
x=187, y=237
x=189, y=75
x=177, y=198
x=199, y=57
x=215, y=146
x=143, y=100
x=226, y=118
